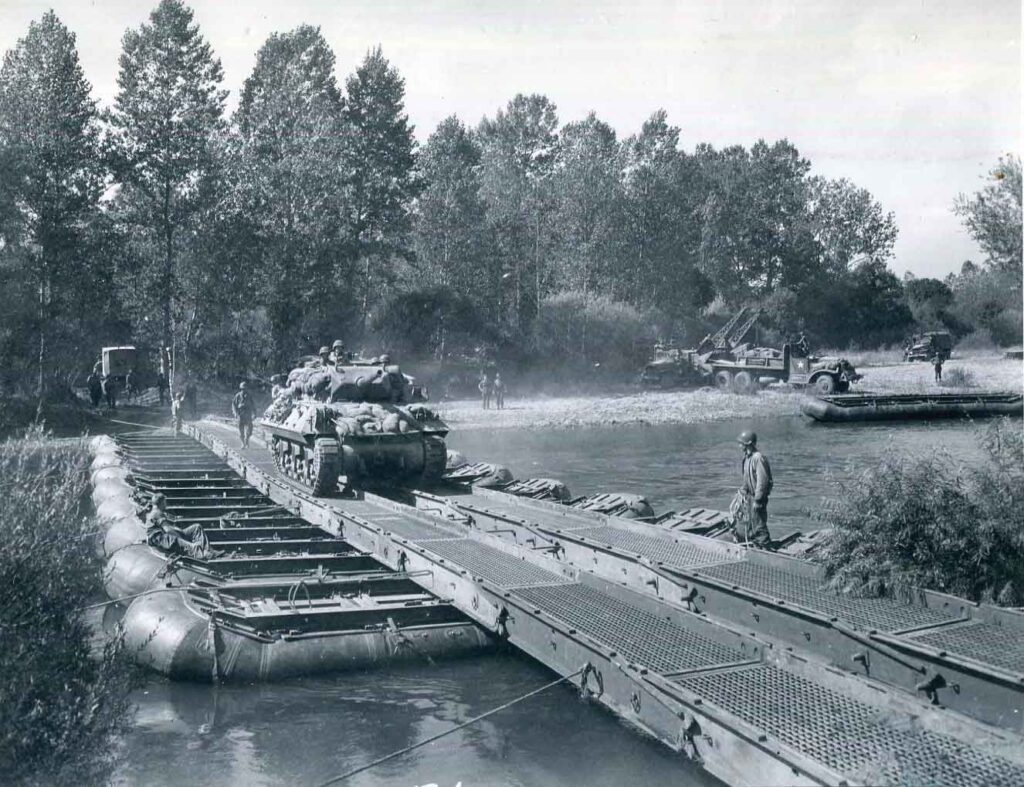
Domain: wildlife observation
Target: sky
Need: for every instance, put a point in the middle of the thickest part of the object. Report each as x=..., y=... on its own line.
x=914, y=100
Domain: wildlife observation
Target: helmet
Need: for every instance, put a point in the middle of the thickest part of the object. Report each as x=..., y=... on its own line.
x=747, y=438
x=338, y=343
x=242, y=386
x=325, y=350
x=385, y=359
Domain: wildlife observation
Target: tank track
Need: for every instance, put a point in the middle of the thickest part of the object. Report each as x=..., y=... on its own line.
x=435, y=459
x=316, y=469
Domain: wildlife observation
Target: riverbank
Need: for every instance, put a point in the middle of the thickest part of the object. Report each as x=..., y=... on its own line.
x=705, y=405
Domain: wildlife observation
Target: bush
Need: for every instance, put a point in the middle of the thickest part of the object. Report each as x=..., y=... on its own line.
x=978, y=340
x=934, y=522
x=573, y=333
x=61, y=702
x=958, y=378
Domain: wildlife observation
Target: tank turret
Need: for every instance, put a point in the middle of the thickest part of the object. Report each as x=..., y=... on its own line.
x=359, y=419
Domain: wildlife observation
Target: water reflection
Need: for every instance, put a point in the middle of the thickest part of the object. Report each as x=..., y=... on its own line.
x=308, y=731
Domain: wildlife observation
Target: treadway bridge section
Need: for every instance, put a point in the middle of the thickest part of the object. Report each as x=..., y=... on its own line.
x=740, y=661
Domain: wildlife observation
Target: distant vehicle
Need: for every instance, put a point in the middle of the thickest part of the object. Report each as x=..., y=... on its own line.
x=672, y=367
x=926, y=346
x=748, y=369
x=116, y=362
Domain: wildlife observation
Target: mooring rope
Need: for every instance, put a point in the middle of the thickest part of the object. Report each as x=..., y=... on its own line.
x=432, y=738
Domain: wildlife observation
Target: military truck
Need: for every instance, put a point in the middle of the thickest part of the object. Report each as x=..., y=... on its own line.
x=747, y=369
x=926, y=346
x=672, y=367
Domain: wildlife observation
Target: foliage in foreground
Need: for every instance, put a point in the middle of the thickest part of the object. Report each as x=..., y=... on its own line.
x=937, y=522
x=61, y=701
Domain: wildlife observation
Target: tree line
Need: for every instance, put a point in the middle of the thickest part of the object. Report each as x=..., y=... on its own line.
x=310, y=212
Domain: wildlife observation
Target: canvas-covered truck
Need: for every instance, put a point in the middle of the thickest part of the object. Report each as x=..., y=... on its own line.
x=926, y=346
x=746, y=370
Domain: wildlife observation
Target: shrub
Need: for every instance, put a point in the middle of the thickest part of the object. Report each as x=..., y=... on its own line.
x=978, y=340
x=958, y=377
x=62, y=698
x=934, y=522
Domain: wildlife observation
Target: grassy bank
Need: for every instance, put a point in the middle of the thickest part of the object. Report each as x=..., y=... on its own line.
x=934, y=522
x=61, y=702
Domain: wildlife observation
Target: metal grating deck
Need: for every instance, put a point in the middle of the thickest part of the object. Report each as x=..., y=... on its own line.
x=660, y=550
x=862, y=613
x=410, y=528
x=1002, y=647
x=492, y=564
x=638, y=635
x=847, y=735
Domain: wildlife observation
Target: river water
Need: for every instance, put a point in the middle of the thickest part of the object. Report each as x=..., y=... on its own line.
x=308, y=731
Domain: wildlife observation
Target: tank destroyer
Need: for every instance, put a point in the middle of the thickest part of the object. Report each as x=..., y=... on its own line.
x=364, y=420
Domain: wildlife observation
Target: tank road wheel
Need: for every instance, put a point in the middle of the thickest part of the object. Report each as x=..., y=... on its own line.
x=742, y=383
x=723, y=380
x=324, y=469
x=435, y=459
x=825, y=384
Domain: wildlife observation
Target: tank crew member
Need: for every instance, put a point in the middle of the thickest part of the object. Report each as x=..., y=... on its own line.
x=499, y=392
x=110, y=391
x=95, y=388
x=338, y=354
x=177, y=412
x=277, y=382
x=757, y=486
x=937, y=363
x=325, y=356
x=161, y=387
x=485, y=391
x=164, y=535
x=243, y=408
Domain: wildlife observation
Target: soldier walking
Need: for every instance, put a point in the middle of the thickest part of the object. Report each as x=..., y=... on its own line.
x=757, y=486
x=177, y=412
x=95, y=385
x=485, y=392
x=499, y=392
x=110, y=391
x=244, y=409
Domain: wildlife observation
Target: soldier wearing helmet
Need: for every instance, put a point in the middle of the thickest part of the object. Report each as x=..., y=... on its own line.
x=325, y=356
x=757, y=486
x=338, y=354
x=243, y=408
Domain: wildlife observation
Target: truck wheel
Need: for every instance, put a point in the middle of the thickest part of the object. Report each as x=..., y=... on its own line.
x=742, y=383
x=723, y=380
x=825, y=385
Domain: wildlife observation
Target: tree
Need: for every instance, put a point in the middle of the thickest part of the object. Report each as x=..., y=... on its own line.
x=993, y=216
x=379, y=155
x=518, y=150
x=52, y=174
x=929, y=301
x=848, y=224
x=167, y=113
x=450, y=235
x=287, y=192
x=587, y=194
x=663, y=191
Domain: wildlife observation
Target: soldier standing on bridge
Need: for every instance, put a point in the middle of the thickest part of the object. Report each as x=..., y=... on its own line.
x=757, y=486
x=244, y=409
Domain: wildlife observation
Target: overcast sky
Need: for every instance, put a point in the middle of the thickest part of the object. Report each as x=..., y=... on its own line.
x=912, y=99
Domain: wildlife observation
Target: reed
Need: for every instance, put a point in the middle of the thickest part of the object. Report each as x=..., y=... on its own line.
x=63, y=695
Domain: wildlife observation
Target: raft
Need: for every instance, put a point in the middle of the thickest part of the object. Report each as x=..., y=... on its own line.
x=845, y=408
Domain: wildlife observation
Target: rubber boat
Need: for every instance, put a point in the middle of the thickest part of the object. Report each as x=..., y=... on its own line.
x=889, y=407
